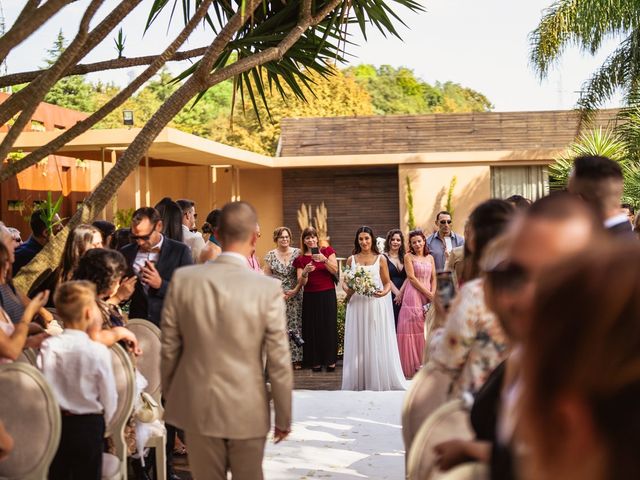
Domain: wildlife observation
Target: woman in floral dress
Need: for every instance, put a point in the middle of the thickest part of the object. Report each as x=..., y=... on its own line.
x=279, y=264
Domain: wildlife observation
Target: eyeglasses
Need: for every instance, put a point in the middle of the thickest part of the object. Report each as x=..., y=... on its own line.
x=442, y=222
x=282, y=237
x=144, y=238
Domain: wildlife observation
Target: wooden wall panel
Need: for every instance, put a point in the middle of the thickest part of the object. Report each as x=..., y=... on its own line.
x=353, y=197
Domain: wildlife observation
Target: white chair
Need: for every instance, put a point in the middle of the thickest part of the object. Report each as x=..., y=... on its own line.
x=427, y=392
x=31, y=416
x=27, y=356
x=115, y=466
x=450, y=421
x=148, y=364
x=467, y=471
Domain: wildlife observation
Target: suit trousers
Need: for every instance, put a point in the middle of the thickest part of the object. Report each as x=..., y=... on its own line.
x=210, y=458
x=79, y=455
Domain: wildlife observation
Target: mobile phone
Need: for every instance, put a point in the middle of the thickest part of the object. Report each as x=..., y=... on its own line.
x=315, y=250
x=446, y=288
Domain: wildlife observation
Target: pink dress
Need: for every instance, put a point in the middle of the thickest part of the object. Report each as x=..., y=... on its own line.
x=411, y=321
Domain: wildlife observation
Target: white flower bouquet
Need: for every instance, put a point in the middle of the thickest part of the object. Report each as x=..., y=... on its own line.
x=360, y=281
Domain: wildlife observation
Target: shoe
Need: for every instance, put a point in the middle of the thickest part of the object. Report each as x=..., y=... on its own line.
x=331, y=369
x=173, y=476
x=316, y=369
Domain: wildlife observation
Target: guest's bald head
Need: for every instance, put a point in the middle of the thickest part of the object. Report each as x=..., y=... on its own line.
x=237, y=224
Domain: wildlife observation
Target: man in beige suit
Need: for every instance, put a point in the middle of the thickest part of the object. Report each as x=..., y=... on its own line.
x=217, y=321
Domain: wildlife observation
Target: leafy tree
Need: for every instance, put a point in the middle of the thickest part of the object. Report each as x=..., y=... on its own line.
x=69, y=92
x=333, y=96
x=587, y=23
x=396, y=91
x=276, y=44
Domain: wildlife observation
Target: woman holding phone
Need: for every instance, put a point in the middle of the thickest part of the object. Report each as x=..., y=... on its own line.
x=316, y=269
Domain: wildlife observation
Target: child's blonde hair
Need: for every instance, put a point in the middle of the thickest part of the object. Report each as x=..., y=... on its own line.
x=72, y=298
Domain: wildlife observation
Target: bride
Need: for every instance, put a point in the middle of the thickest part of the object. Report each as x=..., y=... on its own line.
x=371, y=358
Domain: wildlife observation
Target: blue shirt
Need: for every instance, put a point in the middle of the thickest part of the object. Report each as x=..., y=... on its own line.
x=25, y=253
x=437, y=248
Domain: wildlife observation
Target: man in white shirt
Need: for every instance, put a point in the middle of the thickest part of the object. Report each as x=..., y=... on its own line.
x=81, y=377
x=191, y=237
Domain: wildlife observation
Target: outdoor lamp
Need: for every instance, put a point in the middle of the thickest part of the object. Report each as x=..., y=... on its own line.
x=127, y=117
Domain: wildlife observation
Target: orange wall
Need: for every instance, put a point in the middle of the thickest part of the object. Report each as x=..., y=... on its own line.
x=430, y=185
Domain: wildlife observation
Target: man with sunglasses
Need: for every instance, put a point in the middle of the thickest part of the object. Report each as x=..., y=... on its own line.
x=152, y=258
x=442, y=242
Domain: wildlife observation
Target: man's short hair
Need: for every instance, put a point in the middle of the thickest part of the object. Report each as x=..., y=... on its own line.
x=596, y=168
x=145, y=212
x=560, y=206
x=37, y=224
x=237, y=222
x=629, y=207
x=443, y=212
x=185, y=204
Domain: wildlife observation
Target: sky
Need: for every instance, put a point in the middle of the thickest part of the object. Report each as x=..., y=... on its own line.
x=481, y=44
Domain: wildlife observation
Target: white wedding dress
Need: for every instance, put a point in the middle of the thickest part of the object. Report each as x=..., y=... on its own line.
x=371, y=358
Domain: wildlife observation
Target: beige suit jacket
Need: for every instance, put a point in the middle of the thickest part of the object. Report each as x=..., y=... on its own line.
x=217, y=320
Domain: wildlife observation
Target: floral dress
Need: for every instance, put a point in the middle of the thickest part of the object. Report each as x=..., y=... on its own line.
x=288, y=275
x=472, y=342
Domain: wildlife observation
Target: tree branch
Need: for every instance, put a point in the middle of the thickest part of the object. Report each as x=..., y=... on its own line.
x=26, y=96
x=114, y=64
x=29, y=20
x=13, y=168
x=49, y=77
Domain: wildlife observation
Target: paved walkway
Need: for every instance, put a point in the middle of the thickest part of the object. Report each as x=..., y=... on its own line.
x=340, y=435
x=336, y=435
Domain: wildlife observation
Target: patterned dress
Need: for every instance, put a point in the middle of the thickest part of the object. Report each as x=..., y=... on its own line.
x=472, y=342
x=287, y=274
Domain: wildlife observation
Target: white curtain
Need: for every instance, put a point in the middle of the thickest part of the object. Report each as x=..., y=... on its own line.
x=531, y=182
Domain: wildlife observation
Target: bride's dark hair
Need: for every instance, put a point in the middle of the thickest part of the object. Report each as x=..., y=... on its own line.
x=356, y=244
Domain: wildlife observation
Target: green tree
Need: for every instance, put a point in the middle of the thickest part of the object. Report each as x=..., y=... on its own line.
x=397, y=91
x=69, y=92
x=587, y=23
x=275, y=43
x=333, y=96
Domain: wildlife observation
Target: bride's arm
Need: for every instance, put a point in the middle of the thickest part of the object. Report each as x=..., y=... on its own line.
x=346, y=289
x=384, y=276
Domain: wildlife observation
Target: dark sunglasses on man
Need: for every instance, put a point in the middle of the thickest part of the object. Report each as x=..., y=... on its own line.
x=442, y=222
x=144, y=238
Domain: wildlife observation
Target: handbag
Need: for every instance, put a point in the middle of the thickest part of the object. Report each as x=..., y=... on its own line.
x=149, y=410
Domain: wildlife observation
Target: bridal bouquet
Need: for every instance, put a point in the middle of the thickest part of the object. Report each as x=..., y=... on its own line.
x=360, y=281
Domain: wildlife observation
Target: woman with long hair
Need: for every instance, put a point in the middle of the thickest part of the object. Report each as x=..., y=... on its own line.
x=316, y=270
x=278, y=263
x=581, y=381
x=394, y=252
x=371, y=360
x=416, y=299
x=80, y=240
x=171, y=220
x=472, y=343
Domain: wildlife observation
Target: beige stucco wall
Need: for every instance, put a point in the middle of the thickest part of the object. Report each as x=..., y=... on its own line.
x=430, y=185
x=263, y=189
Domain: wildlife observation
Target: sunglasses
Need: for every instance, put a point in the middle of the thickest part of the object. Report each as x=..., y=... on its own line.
x=144, y=238
x=442, y=222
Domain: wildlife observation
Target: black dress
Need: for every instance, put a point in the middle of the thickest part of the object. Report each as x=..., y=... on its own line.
x=397, y=277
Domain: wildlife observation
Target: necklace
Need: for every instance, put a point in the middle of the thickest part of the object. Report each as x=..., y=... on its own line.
x=284, y=257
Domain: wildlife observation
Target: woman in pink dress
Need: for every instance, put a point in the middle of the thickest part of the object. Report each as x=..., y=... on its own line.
x=417, y=291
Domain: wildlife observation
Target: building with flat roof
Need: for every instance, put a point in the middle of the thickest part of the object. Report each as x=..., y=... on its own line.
x=358, y=166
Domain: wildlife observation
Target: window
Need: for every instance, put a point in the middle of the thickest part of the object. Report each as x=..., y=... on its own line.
x=531, y=182
x=15, y=205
